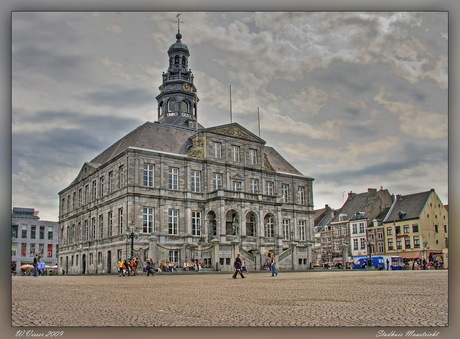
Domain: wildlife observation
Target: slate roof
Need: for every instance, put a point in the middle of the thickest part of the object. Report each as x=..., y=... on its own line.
x=411, y=205
x=351, y=206
x=176, y=140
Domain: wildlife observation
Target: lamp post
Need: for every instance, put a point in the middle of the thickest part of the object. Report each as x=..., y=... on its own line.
x=369, y=262
x=131, y=236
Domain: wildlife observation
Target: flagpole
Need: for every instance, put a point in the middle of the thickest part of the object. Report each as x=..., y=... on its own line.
x=258, y=119
x=231, y=120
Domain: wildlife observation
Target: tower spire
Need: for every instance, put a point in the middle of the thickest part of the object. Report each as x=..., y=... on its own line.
x=178, y=35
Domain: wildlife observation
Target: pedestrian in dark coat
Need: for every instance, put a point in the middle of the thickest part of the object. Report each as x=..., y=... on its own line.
x=237, y=264
x=149, y=267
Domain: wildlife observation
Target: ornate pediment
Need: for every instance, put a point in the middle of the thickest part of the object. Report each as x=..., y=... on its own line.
x=87, y=170
x=237, y=131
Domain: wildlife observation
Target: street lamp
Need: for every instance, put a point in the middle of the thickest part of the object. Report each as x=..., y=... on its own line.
x=131, y=236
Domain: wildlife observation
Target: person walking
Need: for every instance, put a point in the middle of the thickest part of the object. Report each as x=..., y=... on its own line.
x=42, y=267
x=149, y=267
x=120, y=268
x=273, y=266
x=126, y=268
x=36, y=261
x=237, y=265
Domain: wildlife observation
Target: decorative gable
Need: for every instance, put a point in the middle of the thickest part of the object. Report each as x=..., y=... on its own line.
x=237, y=131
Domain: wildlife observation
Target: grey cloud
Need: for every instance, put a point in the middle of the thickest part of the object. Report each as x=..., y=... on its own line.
x=117, y=96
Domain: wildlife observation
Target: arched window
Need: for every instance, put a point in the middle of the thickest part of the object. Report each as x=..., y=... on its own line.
x=172, y=105
x=184, y=60
x=184, y=107
x=231, y=223
x=176, y=60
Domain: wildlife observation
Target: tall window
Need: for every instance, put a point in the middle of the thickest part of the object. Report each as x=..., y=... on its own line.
x=121, y=176
x=269, y=188
x=355, y=244
x=101, y=226
x=120, y=221
x=101, y=187
x=148, y=175
x=398, y=243
x=173, y=178
x=173, y=222
x=414, y=228
x=196, y=181
x=217, y=181
x=109, y=224
x=301, y=195
x=254, y=186
x=147, y=219
x=93, y=228
x=33, y=230
x=390, y=244
x=361, y=227
x=363, y=243
x=80, y=197
x=302, y=228
x=93, y=190
x=269, y=226
x=86, y=230
x=111, y=181
x=235, y=153
x=237, y=185
x=24, y=231
x=217, y=150
x=253, y=157
x=14, y=231
x=407, y=242
x=42, y=232
x=286, y=229
x=285, y=192
x=196, y=223
x=416, y=241
x=355, y=228
x=50, y=232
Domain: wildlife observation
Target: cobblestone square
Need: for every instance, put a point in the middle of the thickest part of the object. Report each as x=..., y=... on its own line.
x=299, y=299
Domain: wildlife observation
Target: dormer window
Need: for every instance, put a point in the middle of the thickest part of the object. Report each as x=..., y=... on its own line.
x=402, y=214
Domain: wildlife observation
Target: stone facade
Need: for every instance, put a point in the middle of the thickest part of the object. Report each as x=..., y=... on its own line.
x=178, y=192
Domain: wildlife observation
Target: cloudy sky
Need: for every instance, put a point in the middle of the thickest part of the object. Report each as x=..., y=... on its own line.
x=356, y=100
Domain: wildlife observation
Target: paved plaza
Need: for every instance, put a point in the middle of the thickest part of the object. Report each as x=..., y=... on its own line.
x=301, y=299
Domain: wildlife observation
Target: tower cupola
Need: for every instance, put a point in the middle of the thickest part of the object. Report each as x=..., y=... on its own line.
x=177, y=101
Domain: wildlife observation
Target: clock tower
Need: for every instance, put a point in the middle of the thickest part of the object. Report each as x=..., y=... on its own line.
x=177, y=101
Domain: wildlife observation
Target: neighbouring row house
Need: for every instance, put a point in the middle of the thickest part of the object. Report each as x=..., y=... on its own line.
x=414, y=227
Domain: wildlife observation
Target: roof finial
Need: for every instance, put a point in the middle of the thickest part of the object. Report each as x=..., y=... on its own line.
x=178, y=35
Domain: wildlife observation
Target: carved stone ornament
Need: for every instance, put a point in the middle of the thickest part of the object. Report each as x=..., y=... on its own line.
x=197, y=150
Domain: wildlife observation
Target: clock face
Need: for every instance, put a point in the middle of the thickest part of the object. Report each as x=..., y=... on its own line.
x=186, y=87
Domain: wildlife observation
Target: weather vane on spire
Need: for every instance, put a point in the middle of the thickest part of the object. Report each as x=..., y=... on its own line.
x=178, y=22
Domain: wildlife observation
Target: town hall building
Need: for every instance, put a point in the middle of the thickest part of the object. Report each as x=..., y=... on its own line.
x=177, y=192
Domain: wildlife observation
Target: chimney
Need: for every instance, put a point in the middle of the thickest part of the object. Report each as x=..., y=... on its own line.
x=371, y=190
x=351, y=194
